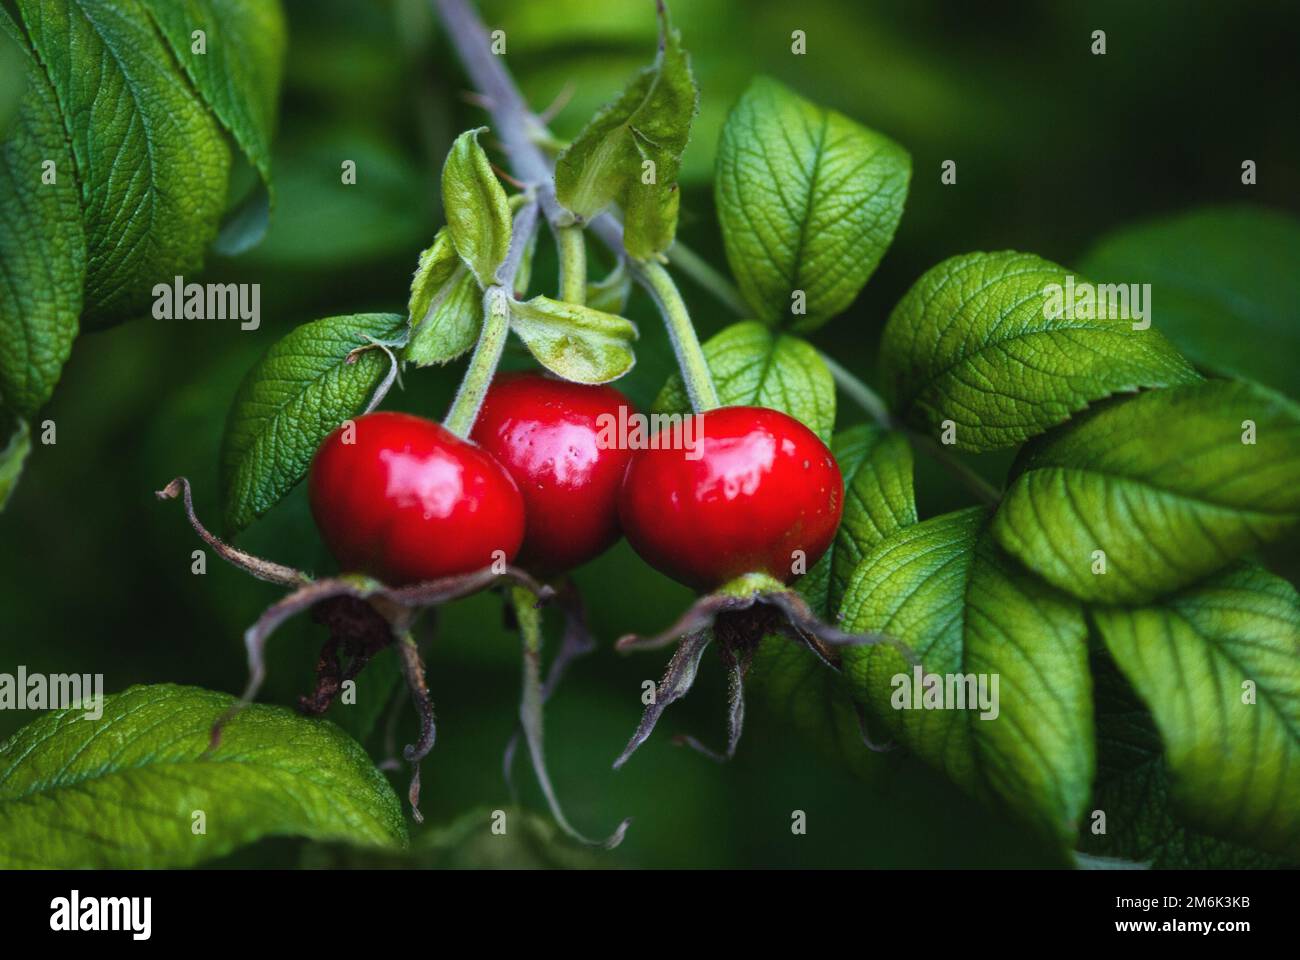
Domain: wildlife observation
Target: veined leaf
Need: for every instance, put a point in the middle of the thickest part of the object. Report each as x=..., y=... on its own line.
x=42, y=245
x=753, y=366
x=979, y=341
x=573, y=342
x=1133, y=790
x=1162, y=483
x=808, y=200
x=476, y=207
x=630, y=152
x=1217, y=666
x=878, y=499
x=1224, y=286
x=446, y=306
x=149, y=159
x=970, y=614
x=308, y=383
x=123, y=790
x=237, y=74
x=14, y=65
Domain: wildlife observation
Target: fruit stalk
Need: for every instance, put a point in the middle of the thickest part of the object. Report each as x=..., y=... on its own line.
x=874, y=407
x=572, y=247
x=496, y=327
x=686, y=344
x=520, y=131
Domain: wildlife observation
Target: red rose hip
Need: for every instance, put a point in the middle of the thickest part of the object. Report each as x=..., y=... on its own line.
x=553, y=438
x=407, y=500
x=760, y=486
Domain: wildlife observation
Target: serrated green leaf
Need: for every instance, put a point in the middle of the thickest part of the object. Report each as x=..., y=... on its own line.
x=42, y=244
x=972, y=342
x=755, y=366
x=1224, y=283
x=1133, y=790
x=878, y=499
x=14, y=66
x=122, y=790
x=1217, y=666
x=1162, y=484
x=238, y=76
x=808, y=199
x=476, y=207
x=446, y=306
x=944, y=589
x=303, y=387
x=149, y=158
x=17, y=438
x=649, y=123
x=575, y=342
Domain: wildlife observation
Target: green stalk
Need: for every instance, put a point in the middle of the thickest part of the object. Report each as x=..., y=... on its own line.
x=496, y=327
x=686, y=345
x=572, y=246
x=483, y=364
x=874, y=407
x=859, y=393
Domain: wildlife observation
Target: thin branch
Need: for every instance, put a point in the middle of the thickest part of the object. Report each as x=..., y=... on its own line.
x=709, y=277
x=875, y=407
x=860, y=393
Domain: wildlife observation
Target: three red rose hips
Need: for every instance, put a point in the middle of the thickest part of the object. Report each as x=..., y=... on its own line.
x=547, y=480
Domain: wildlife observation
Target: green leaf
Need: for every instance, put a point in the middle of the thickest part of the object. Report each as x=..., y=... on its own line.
x=808, y=199
x=573, y=342
x=944, y=589
x=446, y=306
x=238, y=72
x=1133, y=789
x=476, y=207
x=42, y=245
x=150, y=161
x=1162, y=484
x=973, y=342
x=303, y=387
x=754, y=366
x=1224, y=283
x=1217, y=666
x=14, y=66
x=122, y=790
x=17, y=445
x=878, y=499
x=649, y=123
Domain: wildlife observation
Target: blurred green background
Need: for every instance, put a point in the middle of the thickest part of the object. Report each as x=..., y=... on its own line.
x=1053, y=146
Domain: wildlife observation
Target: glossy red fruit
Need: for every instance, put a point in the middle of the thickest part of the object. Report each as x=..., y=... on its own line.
x=554, y=438
x=407, y=500
x=761, y=487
